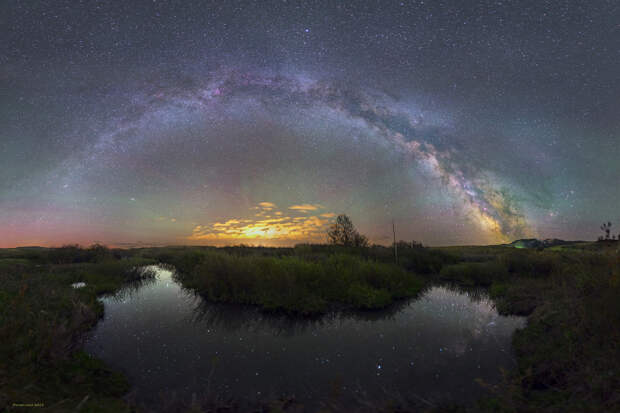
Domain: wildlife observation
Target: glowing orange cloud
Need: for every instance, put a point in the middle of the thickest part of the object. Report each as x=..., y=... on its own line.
x=306, y=207
x=283, y=228
x=268, y=206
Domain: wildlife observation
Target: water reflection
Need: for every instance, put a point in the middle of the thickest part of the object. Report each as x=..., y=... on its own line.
x=232, y=317
x=434, y=348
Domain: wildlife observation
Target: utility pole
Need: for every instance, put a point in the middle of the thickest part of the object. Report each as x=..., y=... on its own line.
x=395, y=249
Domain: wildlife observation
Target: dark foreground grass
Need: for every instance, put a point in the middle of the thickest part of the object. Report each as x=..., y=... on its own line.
x=296, y=285
x=42, y=319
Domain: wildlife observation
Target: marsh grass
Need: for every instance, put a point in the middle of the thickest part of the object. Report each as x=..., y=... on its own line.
x=475, y=273
x=42, y=320
x=296, y=285
x=569, y=353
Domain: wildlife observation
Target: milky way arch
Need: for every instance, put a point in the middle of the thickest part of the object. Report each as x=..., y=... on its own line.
x=406, y=130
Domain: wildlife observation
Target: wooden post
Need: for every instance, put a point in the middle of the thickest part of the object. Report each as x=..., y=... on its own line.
x=395, y=249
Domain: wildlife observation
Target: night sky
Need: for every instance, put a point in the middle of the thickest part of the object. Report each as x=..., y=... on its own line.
x=194, y=122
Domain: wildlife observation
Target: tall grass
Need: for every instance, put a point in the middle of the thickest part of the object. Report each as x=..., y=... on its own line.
x=296, y=285
x=412, y=257
x=475, y=273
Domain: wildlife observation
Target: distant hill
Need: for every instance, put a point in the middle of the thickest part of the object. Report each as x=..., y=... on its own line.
x=537, y=243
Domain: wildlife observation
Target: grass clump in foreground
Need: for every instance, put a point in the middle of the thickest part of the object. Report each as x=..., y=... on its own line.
x=295, y=285
x=569, y=354
x=42, y=319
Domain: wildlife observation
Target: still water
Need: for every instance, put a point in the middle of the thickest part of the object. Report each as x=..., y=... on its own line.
x=169, y=341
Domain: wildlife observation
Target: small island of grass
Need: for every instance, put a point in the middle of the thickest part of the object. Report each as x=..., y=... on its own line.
x=293, y=284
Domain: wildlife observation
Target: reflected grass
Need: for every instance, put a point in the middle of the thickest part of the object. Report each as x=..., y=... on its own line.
x=236, y=317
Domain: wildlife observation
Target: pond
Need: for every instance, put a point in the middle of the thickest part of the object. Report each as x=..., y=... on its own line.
x=431, y=350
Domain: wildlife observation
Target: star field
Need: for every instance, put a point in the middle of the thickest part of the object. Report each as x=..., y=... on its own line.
x=169, y=122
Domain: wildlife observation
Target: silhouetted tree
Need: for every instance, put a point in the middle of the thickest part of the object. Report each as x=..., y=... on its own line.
x=606, y=228
x=67, y=254
x=360, y=240
x=343, y=232
x=98, y=253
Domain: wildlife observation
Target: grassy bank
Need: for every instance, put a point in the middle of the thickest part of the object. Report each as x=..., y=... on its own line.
x=569, y=353
x=293, y=284
x=42, y=319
